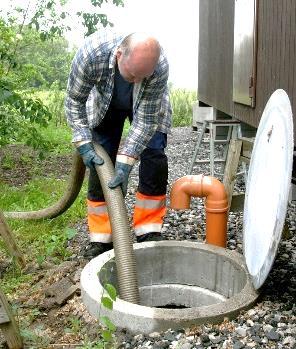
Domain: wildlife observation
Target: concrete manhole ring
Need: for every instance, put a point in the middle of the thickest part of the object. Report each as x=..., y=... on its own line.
x=180, y=282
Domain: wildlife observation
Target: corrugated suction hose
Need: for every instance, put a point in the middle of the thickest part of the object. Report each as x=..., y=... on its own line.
x=122, y=239
x=73, y=189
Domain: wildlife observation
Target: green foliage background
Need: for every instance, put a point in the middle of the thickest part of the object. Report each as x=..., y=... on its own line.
x=35, y=55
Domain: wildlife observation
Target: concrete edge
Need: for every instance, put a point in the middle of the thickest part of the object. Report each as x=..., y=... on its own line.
x=147, y=319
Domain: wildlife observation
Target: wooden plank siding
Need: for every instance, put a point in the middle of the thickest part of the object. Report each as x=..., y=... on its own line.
x=216, y=19
x=276, y=56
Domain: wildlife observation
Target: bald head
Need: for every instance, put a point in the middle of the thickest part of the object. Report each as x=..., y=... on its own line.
x=140, y=42
x=137, y=56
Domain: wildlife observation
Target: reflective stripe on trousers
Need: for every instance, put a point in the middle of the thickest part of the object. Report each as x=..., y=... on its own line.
x=98, y=222
x=153, y=173
x=148, y=217
x=149, y=213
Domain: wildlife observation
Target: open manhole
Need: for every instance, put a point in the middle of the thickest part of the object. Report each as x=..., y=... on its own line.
x=202, y=283
x=183, y=283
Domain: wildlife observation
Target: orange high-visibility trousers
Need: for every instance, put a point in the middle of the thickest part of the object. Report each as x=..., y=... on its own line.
x=98, y=222
x=148, y=217
x=149, y=213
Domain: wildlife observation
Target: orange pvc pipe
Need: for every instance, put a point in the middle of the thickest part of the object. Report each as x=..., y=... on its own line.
x=216, y=203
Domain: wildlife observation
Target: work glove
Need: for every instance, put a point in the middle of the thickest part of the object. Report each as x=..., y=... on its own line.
x=89, y=156
x=120, y=177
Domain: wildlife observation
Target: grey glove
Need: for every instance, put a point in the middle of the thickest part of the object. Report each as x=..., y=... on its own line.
x=120, y=177
x=89, y=156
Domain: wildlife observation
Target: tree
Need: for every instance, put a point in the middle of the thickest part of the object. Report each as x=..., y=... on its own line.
x=43, y=61
x=49, y=17
x=19, y=111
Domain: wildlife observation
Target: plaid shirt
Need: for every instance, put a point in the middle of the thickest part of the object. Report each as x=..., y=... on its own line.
x=90, y=88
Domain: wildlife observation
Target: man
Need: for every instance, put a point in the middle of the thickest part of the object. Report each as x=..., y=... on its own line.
x=114, y=77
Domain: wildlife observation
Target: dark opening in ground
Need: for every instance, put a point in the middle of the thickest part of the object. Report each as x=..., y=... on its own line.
x=172, y=306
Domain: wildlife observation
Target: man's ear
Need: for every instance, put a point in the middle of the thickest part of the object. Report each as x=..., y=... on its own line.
x=118, y=53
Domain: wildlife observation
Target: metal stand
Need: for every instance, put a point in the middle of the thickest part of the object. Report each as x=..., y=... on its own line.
x=234, y=131
x=239, y=152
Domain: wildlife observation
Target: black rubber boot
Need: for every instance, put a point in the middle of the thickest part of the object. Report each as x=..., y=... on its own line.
x=153, y=236
x=96, y=248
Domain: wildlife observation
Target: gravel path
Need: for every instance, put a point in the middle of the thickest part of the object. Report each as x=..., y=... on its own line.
x=271, y=323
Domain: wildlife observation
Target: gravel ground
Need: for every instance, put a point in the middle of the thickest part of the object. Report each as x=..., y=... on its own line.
x=271, y=323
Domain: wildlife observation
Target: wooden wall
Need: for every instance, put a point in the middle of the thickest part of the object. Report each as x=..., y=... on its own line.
x=276, y=56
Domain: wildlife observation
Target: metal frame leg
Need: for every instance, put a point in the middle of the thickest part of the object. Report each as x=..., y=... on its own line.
x=198, y=143
x=244, y=166
x=230, y=133
x=212, y=147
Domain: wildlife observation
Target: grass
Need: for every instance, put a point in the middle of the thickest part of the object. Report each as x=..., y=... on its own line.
x=43, y=238
x=58, y=133
x=59, y=137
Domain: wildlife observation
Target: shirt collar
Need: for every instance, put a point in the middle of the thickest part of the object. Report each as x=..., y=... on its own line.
x=117, y=42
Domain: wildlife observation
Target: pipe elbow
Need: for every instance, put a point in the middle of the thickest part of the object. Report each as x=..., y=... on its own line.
x=216, y=203
x=182, y=191
x=198, y=186
x=215, y=193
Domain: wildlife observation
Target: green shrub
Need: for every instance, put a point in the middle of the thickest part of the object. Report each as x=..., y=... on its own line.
x=182, y=101
x=19, y=122
x=54, y=100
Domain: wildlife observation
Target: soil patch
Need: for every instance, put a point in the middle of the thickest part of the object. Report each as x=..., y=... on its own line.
x=19, y=164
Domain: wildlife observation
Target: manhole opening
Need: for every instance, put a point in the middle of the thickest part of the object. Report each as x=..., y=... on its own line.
x=180, y=283
x=178, y=279
x=172, y=306
x=176, y=296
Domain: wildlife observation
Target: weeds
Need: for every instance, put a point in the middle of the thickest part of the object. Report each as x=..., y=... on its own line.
x=92, y=345
x=7, y=162
x=59, y=137
x=35, y=337
x=75, y=325
x=34, y=313
x=182, y=101
x=108, y=297
x=43, y=238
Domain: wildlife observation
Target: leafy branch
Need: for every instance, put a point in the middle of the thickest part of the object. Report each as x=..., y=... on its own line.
x=107, y=302
x=20, y=112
